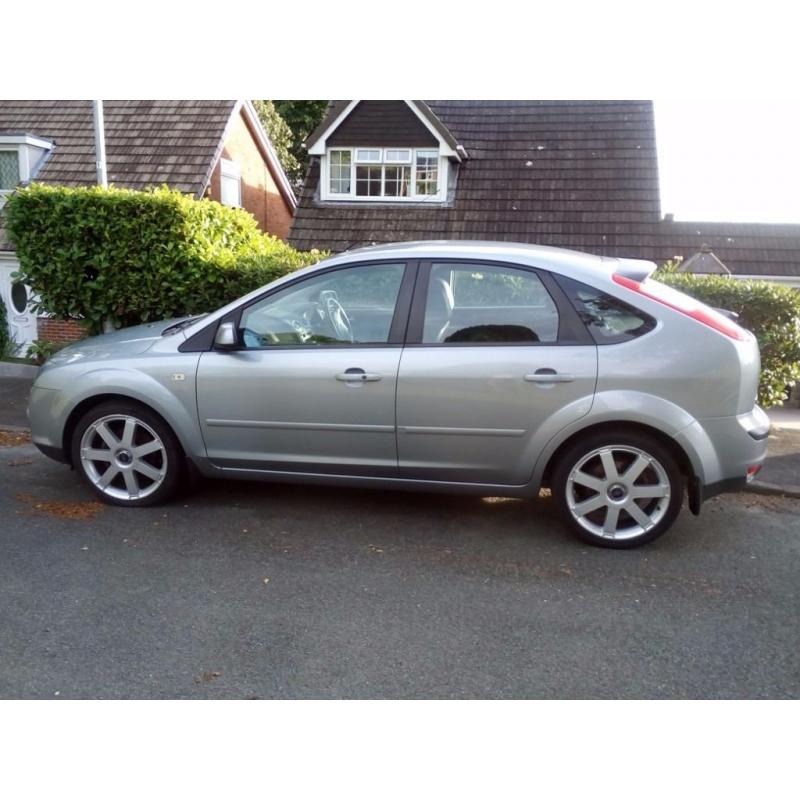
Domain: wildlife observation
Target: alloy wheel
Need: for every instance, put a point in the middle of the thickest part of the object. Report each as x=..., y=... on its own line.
x=618, y=492
x=123, y=457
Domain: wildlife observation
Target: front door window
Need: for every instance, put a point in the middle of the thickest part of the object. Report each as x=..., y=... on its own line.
x=350, y=306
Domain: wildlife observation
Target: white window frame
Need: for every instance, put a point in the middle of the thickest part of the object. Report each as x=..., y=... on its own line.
x=408, y=158
x=367, y=155
x=357, y=159
x=22, y=145
x=230, y=170
x=18, y=150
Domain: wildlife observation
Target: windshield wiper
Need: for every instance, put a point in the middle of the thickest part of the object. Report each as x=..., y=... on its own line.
x=179, y=326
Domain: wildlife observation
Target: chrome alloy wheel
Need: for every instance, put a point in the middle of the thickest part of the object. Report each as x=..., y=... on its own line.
x=123, y=457
x=618, y=492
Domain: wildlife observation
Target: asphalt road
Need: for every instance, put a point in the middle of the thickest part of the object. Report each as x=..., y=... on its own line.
x=260, y=591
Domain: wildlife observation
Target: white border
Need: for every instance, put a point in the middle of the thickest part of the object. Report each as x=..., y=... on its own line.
x=325, y=194
x=319, y=147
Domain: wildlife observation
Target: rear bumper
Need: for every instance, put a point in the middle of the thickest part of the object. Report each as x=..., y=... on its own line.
x=699, y=493
x=739, y=446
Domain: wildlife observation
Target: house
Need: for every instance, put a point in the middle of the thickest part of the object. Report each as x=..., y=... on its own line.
x=576, y=174
x=207, y=148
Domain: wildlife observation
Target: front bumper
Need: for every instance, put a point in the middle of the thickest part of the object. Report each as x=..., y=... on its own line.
x=56, y=453
x=47, y=414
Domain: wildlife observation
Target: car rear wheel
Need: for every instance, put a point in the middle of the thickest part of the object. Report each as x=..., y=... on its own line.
x=127, y=454
x=618, y=490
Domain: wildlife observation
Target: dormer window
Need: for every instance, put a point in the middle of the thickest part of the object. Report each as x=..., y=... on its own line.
x=9, y=170
x=21, y=156
x=392, y=174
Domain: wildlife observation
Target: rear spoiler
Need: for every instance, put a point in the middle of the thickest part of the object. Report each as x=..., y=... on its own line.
x=636, y=269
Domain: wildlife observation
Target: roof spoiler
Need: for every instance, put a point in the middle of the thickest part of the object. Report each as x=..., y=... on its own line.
x=636, y=269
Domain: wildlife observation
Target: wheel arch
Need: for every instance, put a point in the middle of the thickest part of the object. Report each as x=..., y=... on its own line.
x=88, y=403
x=623, y=426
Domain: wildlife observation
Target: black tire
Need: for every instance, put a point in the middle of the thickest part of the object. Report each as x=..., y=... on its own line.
x=664, y=510
x=169, y=458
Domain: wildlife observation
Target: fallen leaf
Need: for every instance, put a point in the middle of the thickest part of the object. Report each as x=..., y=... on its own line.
x=84, y=510
x=207, y=677
x=14, y=438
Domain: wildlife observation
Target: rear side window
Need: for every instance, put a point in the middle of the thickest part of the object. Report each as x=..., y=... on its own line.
x=608, y=319
x=472, y=303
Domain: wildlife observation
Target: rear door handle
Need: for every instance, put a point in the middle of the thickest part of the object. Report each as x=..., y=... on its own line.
x=356, y=375
x=549, y=376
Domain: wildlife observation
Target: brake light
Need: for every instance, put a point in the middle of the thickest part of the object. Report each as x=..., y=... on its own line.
x=684, y=304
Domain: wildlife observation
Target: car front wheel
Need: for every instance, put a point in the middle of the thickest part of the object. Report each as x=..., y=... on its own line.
x=618, y=490
x=127, y=454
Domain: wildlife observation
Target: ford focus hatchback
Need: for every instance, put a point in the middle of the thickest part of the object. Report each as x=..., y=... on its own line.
x=493, y=369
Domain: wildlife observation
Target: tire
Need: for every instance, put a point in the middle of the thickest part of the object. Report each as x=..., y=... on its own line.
x=127, y=454
x=607, y=505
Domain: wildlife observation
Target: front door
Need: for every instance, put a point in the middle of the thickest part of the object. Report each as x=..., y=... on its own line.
x=312, y=388
x=491, y=360
x=21, y=318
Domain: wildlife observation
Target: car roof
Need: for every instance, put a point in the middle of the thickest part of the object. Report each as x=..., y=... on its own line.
x=569, y=262
x=461, y=248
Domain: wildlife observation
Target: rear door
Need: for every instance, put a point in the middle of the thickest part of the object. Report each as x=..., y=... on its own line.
x=493, y=351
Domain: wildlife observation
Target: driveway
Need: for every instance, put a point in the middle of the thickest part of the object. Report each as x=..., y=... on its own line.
x=255, y=590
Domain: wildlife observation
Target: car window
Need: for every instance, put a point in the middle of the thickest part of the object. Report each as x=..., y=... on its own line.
x=608, y=319
x=354, y=305
x=487, y=304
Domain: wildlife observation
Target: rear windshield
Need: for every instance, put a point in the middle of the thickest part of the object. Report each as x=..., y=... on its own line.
x=608, y=319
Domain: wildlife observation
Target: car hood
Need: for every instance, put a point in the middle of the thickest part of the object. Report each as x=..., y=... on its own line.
x=117, y=344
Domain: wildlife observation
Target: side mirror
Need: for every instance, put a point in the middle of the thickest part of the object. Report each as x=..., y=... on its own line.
x=226, y=337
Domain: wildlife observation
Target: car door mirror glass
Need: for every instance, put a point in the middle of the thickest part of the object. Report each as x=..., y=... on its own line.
x=226, y=337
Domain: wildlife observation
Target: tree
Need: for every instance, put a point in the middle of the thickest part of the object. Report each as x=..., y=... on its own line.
x=288, y=123
x=302, y=116
x=280, y=135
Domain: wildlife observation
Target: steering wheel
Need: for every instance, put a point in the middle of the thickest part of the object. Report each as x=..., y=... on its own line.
x=339, y=319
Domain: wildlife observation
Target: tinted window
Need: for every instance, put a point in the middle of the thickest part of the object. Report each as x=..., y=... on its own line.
x=608, y=319
x=487, y=304
x=345, y=306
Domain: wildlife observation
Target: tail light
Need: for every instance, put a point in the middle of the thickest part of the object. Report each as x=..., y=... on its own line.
x=684, y=304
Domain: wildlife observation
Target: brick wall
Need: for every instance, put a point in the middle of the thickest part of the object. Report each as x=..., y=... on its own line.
x=260, y=195
x=60, y=331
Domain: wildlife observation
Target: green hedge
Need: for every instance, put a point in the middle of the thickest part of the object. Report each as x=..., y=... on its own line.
x=6, y=345
x=769, y=310
x=133, y=256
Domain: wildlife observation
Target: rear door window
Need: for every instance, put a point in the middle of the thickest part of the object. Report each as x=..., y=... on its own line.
x=608, y=319
x=487, y=304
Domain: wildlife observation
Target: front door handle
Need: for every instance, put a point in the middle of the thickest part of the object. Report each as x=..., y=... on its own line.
x=549, y=376
x=357, y=375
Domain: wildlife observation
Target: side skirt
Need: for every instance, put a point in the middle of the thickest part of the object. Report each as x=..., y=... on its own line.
x=383, y=483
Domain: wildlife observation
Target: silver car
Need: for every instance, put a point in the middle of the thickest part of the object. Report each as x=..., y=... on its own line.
x=485, y=368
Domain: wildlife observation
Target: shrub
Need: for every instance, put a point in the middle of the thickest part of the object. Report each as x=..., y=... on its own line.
x=6, y=345
x=769, y=310
x=41, y=349
x=131, y=257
